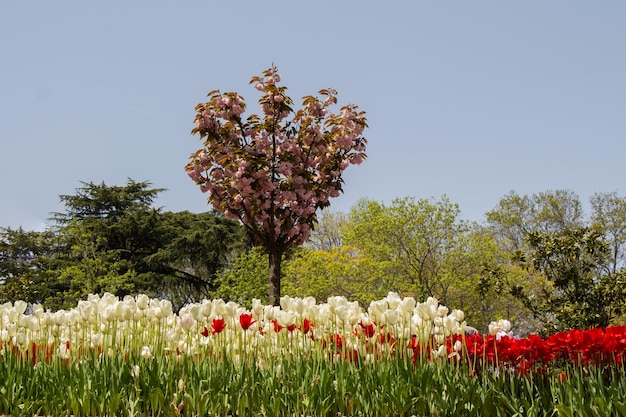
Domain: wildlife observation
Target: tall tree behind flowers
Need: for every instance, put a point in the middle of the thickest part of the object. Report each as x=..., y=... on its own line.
x=273, y=172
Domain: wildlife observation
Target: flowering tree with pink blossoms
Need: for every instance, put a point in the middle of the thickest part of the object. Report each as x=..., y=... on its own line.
x=273, y=172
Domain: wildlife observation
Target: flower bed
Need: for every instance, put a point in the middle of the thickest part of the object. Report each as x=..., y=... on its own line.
x=135, y=356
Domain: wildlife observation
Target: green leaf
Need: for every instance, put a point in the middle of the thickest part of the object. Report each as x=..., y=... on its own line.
x=619, y=406
x=563, y=410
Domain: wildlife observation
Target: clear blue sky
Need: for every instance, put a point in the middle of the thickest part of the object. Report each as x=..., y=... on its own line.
x=471, y=99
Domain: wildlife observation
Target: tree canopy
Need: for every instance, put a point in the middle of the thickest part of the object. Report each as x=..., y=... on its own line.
x=111, y=239
x=274, y=171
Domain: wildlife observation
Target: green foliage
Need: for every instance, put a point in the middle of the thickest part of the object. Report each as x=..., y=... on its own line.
x=609, y=214
x=577, y=295
x=111, y=239
x=245, y=280
x=421, y=248
x=289, y=386
x=480, y=281
x=340, y=271
x=25, y=260
x=571, y=269
x=415, y=237
x=193, y=249
x=327, y=234
x=549, y=211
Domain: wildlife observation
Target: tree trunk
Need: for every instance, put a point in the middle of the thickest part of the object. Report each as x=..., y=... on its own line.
x=275, y=274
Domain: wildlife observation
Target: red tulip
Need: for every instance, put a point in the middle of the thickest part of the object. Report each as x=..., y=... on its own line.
x=218, y=325
x=306, y=326
x=277, y=327
x=246, y=321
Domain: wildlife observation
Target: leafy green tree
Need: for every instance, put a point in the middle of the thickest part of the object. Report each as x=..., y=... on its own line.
x=162, y=254
x=516, y=216
x=327, y=233
x=569, y=267
x=609, y=213
x=87, y=270
x=245, y=279
x=111, y=239
x=108, y=231
x=422, y=248
x=480, y=281
x=576, y=294
x=415, y=238
x=343, y=270
x=195, y=247
x=25, y=257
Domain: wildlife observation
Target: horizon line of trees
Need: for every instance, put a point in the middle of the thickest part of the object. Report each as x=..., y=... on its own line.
x=536, y=260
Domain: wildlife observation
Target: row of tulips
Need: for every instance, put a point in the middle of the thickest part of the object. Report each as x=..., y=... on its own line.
x=106, y=324
x=338, y=328
x=136, y=357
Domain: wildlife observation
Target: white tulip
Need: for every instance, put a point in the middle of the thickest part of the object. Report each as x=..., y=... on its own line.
x=391, y=317
x=458, y=345
x=108, y=313
x=20, y=339
x=309, y=301
x=107, y=299
x=377, y=309
x=135, y=371
x=416, y=320
x=442, y=311
x=12, y=315
x=60, y=318
x=127, y=312
x=205, y=308
x=426, y=311
x=20, y=306
x=32, y=323
x=230, y=309
x=145, y=352
x=84, y=308
x=407, y=305
x=130, y=304
x=393, y=300
x=341, y=312
x=441, y=352
x=142, y=301
x=218, y=307
x=196, y=311
x=269, y=312
x=459, y=315
x=287, y=303
x=336, y=301
x=166, y=307
x=452, y=325
x=286, y=318
x=505, y=324
x=257, y=307
x=187, y=321
x=499, y=327
x=96, y=339
x=38, y=310
x=300, y=306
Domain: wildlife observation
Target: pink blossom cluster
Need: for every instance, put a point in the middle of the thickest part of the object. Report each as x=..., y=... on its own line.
x=272, y=172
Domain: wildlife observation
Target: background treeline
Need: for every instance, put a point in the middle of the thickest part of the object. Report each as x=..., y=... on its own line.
x=535, y=260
